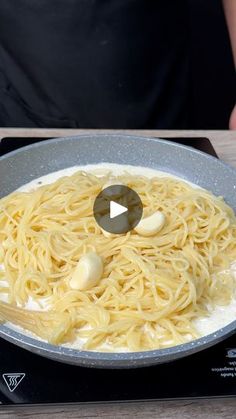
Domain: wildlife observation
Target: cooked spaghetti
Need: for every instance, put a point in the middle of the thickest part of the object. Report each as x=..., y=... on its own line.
x=152, y=288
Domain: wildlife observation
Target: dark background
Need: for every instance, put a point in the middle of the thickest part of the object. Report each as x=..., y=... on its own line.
x=213, y=76
x=212, y=89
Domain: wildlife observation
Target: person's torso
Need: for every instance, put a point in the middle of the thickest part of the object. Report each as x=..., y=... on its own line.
x=94, y=63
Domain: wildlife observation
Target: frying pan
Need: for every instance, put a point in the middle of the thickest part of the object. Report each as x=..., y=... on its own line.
x=25, y=164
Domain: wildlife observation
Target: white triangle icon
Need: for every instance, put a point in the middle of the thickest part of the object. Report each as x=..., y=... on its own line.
x=12, y=380
x=116, y=209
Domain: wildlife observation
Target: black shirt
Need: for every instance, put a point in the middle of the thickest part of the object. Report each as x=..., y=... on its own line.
x=93, y=63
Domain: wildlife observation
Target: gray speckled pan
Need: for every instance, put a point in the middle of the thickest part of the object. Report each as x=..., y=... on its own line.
x=30, y=162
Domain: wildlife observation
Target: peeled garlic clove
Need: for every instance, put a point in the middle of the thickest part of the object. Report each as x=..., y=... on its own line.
x=88, y=272
x=149, y=226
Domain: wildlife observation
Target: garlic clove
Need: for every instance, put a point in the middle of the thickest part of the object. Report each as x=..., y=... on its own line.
x=150, y=225
x=88, y=272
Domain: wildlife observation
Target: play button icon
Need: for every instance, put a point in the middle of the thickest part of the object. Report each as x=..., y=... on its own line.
x=117, y=209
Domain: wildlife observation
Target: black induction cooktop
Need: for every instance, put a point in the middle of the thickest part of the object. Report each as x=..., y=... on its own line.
x=26, y=378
